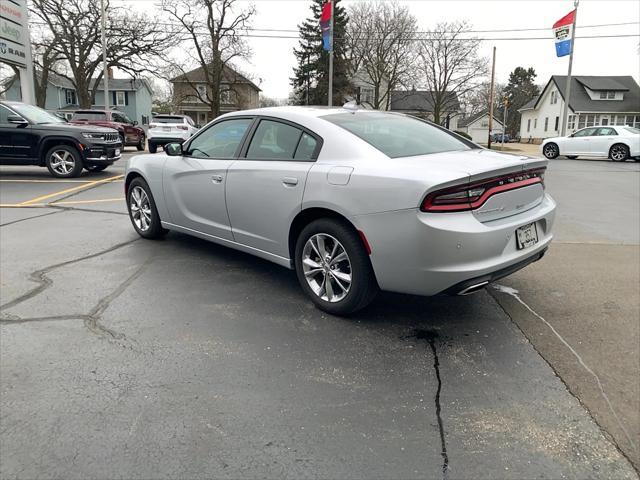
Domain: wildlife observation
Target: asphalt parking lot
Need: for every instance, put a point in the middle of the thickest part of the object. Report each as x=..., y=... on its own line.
x=126, y=358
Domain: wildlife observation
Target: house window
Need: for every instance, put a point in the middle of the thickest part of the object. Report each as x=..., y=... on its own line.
x=484, y=124
x=581, y=121
x=557, y=123
x=554, y=97
x=629, y=122
x=120, y=99
x=546, y=123
x=535, y=123
x=611, y=95
x=202, y=92
x=591, y=120
x=367, y=95
x=529, y=125
x=70, y=97
x=603, y=95
x=228, y=97
x=637, y=125
x=571, y=124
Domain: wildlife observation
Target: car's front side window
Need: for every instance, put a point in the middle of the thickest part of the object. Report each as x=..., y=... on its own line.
x=5, y=113
x=221, y=140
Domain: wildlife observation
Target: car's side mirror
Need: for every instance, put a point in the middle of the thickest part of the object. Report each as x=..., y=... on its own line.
x=17, y=120
x=173, y=149
x=134, y=123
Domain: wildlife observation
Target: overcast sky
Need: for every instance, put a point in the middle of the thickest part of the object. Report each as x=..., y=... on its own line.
x=272, y=62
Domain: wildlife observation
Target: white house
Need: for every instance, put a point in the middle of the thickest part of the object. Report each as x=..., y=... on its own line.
x=477, y=126
x=594, y=101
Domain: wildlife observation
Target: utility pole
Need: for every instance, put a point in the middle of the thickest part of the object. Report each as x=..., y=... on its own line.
x=331, y=56
x=308, y=74
x=504, y=119
x=105, y=71
x=565, y=109
x=491, y=93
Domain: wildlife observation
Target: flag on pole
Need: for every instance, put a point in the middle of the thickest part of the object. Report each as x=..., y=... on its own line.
x=325, y=26
x=562, y=32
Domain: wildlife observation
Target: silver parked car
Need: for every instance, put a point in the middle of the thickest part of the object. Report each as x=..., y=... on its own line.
x=354, y=201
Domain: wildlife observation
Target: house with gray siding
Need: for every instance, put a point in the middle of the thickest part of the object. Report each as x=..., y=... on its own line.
x=128, y=95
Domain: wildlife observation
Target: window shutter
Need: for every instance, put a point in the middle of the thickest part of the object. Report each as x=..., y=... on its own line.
x=126, y=98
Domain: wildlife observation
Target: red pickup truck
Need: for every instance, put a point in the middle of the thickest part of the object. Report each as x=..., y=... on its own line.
x=130, y=133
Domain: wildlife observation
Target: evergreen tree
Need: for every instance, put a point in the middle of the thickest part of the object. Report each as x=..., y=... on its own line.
x=311, y=76
x=520, y=90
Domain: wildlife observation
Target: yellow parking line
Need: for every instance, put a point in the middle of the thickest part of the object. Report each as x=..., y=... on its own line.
x=71, y=190
x=79, y=202
x=18, y=205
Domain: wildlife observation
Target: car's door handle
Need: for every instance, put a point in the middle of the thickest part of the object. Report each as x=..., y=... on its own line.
x=216, y=178
x=291, y=181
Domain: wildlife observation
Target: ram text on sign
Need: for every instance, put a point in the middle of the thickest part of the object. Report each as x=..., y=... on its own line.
x=14, y=32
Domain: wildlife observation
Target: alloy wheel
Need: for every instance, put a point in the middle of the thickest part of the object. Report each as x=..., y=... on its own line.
x=618, y=153
x=140, y=208
x=550, y=151
x=62, y=162
x=326, y=267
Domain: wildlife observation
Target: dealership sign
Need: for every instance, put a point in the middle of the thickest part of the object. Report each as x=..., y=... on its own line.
x=14, y=32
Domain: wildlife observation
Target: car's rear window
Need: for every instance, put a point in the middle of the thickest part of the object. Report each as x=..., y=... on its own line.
x=399, y=135
x=167, y=119
x=89, y=116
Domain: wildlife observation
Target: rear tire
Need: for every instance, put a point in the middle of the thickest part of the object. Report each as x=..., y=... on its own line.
x=551, y=151
x=141, y=144
x=619, y=152
x=63, y=161
x=142, y=210
x=331, y=262
x=153, y=148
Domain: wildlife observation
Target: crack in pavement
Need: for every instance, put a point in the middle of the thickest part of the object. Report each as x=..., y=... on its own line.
x=430, y=336
x=92, y=319
x=40, y=276
x=29, y=218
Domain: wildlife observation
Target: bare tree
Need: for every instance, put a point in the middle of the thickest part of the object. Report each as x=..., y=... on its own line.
x=213, y=29
x=476, y=101
x=450, y=64
x=380, y=37
x=133, y=40
x=9, y=75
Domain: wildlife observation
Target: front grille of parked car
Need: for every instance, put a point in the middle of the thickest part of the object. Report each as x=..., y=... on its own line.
x=111, y=137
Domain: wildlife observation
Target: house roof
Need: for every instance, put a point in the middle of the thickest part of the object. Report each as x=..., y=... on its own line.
x=530, y=104
x=465, y=122
x=229, y=75
x=581, y=102
x=120, y=84
x=420, y=100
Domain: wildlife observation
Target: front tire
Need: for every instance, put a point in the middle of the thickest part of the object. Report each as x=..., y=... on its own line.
x=619, y=152
x=142, y=210
x=63, y=161
x=551, y=150
x=333, y=267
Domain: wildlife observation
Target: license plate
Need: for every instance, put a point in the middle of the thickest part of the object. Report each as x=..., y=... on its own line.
x=117, y=152
x=166, y=129
x=526, y=236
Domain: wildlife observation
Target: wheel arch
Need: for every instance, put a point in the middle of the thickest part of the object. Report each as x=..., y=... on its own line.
x=620, y=142
x=131, y=176
x=50, y=142
x=308, y=215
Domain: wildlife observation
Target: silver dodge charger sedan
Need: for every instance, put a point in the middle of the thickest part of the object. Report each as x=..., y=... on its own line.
x=353, y=200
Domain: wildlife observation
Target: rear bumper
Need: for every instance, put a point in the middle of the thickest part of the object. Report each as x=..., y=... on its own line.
x=430, y=253
x=165, y=140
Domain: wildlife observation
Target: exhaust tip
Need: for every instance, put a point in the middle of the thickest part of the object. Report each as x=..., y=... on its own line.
x=473, y=288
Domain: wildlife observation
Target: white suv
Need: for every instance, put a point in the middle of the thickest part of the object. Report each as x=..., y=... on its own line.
x=165, y=129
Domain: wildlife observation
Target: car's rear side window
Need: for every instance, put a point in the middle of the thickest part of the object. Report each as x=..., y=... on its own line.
x=89, y=116
x=167, y=120
x=399, y=135
x=274, y=140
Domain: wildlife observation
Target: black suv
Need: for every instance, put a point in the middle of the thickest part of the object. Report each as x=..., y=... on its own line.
x=32, y=136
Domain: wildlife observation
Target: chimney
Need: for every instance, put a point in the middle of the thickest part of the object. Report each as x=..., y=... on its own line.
x=109, y=73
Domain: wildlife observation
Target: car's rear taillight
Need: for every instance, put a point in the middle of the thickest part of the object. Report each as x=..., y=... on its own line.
x=183, y=127
x=473, y=195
